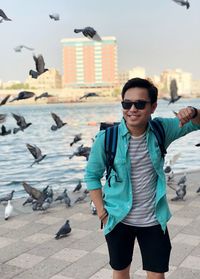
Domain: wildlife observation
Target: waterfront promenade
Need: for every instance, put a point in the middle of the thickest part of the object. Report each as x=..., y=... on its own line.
x=28, y=249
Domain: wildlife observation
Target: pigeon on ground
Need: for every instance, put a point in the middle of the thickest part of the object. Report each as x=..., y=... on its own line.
x=93, y=208
x=49, y=195
x=180, y=193
x=92, y=94
x=182, y=180
x=8, y=197
x=78, y=187
x=90, y=33
x=67, y=201
x=81, y=198
x=62, y=196
x=183, y=3
x=64, y=230
x=2, y=118
x=5, y=99
x=168, y=167
x=8, y=210
x=55, y=16
x=19, y=48
x=58, y=121
x=4, y=131
x=44, y=206
x=3, y=16
x=28, y=200
x=43, y=95
x=36, y=152
x=40, y=66
x=21, y=122
x=81, y=151
x=173, y=92
x=198, y=190
x=76, y=139
x=23, y=95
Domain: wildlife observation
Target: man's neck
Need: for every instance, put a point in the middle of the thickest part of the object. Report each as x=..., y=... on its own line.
x=137, y=131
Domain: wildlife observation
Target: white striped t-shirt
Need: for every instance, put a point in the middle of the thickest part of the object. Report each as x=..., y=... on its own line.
x=144, y=180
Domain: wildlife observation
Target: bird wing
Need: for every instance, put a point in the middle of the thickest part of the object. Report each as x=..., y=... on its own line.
x=173, y=89
x=4, y=100
x=40, y=64
x=20, y=120
x=2, y=118
x=57, y=119
x=34, y=150
x=2, y=14
x=29, y=48
x=179, y=2
x=33, y=192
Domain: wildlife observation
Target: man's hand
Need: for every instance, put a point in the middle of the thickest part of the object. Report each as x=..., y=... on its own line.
x=185, y=115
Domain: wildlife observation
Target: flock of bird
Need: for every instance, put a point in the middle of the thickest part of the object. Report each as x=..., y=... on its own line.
x=42, y=200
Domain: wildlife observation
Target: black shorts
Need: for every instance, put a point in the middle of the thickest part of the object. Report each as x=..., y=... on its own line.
x=154, y=245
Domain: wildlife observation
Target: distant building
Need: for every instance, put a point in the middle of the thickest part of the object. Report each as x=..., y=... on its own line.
x=132, y=73
x=195, y=88
x=9, y=83
x=183, y=79
x=89, y=63
x=49, y=80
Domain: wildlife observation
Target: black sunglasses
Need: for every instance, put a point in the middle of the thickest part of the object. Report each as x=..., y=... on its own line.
x=140, y=104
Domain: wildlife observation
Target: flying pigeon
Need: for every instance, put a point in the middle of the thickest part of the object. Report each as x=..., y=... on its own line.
x=4, y=100
x=36, y=152
x=64, y=230
x=8, y=197
x=34, y=193
x=55, y=16
x=40, y=66
x=19, y=48
x=58, y=121
x=23, y=95
x=21, y=122
x=180, y=193
x=173, y=92
x=2, y=118
x=198, y=144
x=43, y=95
x=8, y=210
x=182, y=180
x=198, y=190
x=90, y=33
x=81, y=151
x=4, y=16
x=183, y=3
x=4, y=131
x=76, y=139
x=91, y=94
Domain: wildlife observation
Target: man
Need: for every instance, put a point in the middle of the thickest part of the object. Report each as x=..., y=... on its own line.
x=135, y=204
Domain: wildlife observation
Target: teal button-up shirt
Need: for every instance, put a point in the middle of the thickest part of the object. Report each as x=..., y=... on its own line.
x=118, y=198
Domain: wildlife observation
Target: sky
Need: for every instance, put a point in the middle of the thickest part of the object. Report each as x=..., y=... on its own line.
x=155, y=34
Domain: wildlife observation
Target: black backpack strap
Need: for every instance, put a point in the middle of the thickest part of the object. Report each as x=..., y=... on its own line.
x=159, y=132
x=111, y=136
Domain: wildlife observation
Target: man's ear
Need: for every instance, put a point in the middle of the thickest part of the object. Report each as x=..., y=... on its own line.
x=153, y=107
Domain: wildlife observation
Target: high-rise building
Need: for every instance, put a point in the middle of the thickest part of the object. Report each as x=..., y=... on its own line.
x=89, y=63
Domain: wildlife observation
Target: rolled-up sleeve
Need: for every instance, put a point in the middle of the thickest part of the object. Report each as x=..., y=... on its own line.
x=96, y=163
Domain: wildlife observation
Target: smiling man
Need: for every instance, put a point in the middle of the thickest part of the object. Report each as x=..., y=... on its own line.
x=134, y=206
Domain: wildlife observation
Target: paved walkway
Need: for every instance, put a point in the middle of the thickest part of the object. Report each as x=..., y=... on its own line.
x=28, y=249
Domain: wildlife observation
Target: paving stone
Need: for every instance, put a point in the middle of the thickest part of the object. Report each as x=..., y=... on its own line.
x=25, y=260
x=8, y=271
x=193, y=228
x=188, y=212
x=38, y=238
x=79, y=216
x=86, y=266
x=191, y=262
x=70, y=255
x=59, y=276
x=179, y=252
x=180, y=221
x=44, y=269
x=184, y=273
x=49, y=220
x=187, y=239
x=4, y=241
x=79, y=234
x=14, y=249
x=14, y=224
x=102, y=274
x=102, y=249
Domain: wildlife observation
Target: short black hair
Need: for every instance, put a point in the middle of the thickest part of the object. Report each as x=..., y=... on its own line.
x=141, y=83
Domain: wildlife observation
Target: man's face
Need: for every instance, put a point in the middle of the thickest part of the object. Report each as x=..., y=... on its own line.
x=138, y=117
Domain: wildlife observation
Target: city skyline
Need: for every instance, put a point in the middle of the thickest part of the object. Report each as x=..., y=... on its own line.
x=154, y=34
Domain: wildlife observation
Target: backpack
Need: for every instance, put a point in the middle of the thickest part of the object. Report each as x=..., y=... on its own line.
x=111, y=137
